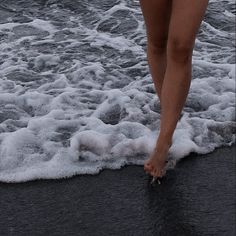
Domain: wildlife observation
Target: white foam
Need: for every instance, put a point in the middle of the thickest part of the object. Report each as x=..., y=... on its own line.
x=76, y=95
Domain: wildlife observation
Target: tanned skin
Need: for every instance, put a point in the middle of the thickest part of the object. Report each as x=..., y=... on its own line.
x=171, y=27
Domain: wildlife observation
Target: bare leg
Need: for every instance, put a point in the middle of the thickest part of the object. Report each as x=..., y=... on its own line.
x=185, y=21
x=156, y=15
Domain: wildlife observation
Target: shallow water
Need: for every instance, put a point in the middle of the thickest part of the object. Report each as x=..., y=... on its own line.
x=76, y=95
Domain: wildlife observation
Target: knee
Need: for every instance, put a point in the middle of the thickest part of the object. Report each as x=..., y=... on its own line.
x=157, y=46
x=179, y=50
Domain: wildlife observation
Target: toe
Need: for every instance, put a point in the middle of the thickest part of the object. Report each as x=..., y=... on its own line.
x=157, y=173
x=147, y=167
x=154, y=173
x=163, y=172
x=147, y=163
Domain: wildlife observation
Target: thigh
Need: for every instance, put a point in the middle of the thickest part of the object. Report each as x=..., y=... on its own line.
x=186, y=18
x=156, y=14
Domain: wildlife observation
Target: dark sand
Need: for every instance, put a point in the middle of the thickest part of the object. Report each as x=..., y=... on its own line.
x=196, y=198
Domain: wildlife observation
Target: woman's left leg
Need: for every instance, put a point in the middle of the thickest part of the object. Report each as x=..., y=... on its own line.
x=185, y=21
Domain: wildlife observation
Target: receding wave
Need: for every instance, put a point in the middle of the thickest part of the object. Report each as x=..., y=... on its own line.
x=76, y=95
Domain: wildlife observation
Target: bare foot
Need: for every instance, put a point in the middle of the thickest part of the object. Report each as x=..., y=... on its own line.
x=155, y=165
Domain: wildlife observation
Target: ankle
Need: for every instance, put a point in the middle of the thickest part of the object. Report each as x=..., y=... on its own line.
x=162, y=147
x=164, y=142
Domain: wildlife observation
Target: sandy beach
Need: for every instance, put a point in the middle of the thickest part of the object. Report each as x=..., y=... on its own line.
x=196, y=198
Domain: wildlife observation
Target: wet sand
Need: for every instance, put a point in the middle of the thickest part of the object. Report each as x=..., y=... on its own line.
x=196, y=198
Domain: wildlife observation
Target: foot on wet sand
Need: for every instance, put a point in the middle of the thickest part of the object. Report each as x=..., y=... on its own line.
x=155, y=165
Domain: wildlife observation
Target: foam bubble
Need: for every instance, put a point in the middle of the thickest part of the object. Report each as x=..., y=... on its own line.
x=76, y=95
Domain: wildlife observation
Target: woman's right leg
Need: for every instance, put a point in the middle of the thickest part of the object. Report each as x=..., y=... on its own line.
x=156, y=16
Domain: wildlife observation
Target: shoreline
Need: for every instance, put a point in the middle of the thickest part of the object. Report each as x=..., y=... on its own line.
x=197, y=197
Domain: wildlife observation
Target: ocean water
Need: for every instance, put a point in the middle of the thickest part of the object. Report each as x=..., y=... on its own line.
x=76, y=95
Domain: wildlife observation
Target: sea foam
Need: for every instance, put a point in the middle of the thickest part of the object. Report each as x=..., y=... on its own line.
x=76, y=95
